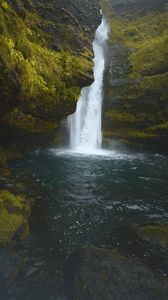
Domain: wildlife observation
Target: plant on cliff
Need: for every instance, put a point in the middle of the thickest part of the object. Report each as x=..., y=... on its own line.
x=44, y=83
x=140, y=33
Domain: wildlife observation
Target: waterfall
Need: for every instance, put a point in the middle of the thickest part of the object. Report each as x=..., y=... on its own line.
x=85, y=124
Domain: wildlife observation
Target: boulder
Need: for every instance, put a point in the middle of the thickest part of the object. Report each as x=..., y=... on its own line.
x=101, y=274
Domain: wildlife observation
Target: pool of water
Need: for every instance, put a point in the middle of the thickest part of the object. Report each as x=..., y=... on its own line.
x=82, y=199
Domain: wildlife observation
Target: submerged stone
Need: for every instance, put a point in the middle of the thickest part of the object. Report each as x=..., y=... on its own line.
x=97, y=274
x=154, y=234
x=10, y=265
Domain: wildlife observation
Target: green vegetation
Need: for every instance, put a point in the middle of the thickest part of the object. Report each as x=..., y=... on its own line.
x=140, y=71
x=124, y=116
x=14, y=213
x=154, y=234
x=131, y=134
x=37, y=84
x=7, y=153
x=146, y=36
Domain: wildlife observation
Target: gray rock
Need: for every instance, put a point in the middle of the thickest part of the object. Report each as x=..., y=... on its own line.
x=100, y=274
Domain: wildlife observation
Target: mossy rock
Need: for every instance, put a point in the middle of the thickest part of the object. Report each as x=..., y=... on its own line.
x=8, y=153
x=154, y=234
x=97, y=273
x=14, y=213
x=5, y=172
x=41, y=80
x=135, y=101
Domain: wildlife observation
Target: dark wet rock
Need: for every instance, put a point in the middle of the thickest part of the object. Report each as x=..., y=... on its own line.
x=148, y=243
x=150, y=235
x=154, y=235
x=10, y=266
x=95, y=273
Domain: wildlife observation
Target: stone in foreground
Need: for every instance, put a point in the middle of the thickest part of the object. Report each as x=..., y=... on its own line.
x=100, y=274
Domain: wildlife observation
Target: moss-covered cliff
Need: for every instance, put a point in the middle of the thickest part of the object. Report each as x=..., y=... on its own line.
x=45, y=59
x=136, y=85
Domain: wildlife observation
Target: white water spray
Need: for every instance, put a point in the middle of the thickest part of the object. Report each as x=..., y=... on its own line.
x=85, y=124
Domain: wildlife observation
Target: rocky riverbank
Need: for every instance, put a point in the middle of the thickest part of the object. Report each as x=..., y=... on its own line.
x=126, y=272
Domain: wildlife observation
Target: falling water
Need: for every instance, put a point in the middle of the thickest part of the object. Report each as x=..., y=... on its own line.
x=85, y=124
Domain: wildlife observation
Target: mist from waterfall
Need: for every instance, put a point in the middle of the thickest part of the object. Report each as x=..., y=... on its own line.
x=85, y=124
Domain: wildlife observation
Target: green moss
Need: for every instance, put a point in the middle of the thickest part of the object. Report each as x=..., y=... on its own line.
x=13, y=202
x=9, y=223
x=14, y=213
x=146, y=36
x=150, y=86
x=4, y=5
x=163, y=126
x=138, y=107
x=45, y=76
x=7, y=154
x=131, y=134
x=154, y=234
x=123, y=116
x=27, y=122
x=5, y=172
x=47, y=82
x=3, y=156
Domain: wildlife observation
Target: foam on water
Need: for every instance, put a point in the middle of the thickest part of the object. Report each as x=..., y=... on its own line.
x=99, y=154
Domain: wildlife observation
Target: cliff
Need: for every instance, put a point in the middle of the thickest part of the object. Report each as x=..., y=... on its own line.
x=135, y=101
x=45, y=60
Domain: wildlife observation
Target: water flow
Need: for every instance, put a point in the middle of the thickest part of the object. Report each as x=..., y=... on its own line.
x=85, y=124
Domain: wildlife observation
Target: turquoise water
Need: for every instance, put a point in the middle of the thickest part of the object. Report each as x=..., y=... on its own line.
x=82, y=200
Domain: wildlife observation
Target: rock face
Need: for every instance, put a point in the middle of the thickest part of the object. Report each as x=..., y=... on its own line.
x=148, y=243
x=45, y=60
x=98, y=274
x=135, y=101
